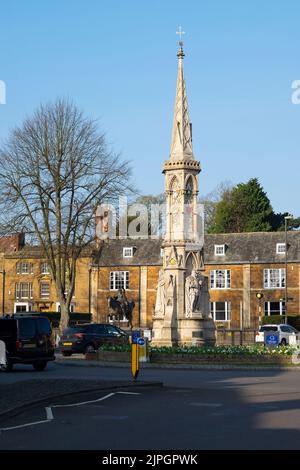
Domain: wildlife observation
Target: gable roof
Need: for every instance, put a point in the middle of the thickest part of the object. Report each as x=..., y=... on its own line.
x=145, y=253
x=253, y=247
x=240, y=248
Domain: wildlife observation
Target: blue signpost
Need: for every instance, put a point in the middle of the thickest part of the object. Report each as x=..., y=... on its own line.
x=271, y=339
x=135, y=336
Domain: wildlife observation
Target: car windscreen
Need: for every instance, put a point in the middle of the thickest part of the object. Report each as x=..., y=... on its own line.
x=8, y=328
x=122, y=332
x=268, y=328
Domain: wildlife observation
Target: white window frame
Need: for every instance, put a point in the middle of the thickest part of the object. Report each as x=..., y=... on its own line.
x=268, y=310
x=28, y=306
x=219, y=250
x=18, y=290
x=227, y=310
x=43, y=266
x=270, y=275
x=24, y=267
x=278, y=248
x=47, y=295
x=72, y=307
x=115, y=283
x=127, y=252
x=216, y=277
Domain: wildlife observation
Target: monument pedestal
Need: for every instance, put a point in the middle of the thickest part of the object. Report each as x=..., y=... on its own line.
x=196, y=332
x=186, y=332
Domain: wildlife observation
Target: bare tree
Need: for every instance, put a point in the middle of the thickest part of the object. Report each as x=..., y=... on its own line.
x=211, y=200
x=54, y=170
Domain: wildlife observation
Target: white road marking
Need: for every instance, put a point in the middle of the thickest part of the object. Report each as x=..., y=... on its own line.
x=84, y=402
x=49, y=413
x=24, y=425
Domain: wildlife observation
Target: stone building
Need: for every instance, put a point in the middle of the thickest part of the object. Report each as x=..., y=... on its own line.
x=238, y=266
x=27, y=282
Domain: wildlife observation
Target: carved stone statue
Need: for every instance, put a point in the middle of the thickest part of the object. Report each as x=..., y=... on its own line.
x=192, y=293
x=160, y=295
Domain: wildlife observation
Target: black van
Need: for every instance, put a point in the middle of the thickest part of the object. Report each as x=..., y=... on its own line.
x=28, y=340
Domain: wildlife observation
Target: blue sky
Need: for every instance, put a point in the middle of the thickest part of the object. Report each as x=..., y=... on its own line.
x=117, y=60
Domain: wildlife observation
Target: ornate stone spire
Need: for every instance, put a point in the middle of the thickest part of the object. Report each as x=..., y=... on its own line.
x=181, y=147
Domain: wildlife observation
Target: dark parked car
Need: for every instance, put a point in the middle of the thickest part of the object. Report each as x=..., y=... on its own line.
x=88, y=338
x=28, y=340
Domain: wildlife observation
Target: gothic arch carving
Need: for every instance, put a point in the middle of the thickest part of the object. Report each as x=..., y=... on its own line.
x=189, y=189
x=191, y=262
x=193, y=180
x=173, y=183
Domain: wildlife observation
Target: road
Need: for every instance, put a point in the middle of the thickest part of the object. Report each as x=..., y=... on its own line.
x=194, y=410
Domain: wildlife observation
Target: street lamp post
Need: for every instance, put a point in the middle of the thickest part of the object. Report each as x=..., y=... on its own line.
x=287, y=217
x=3, y=291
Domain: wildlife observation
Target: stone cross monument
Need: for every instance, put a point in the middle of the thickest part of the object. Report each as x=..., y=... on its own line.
x=182, y=301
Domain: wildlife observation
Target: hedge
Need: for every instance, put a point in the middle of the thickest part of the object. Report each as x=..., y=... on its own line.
x=293, y=320
x=255, y=350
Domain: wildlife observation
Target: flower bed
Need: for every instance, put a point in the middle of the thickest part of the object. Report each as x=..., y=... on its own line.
x=225, y=351
x=256, y=354
x=223, y=355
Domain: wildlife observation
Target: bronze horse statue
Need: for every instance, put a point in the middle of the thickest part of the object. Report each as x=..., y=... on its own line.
x=120, y=307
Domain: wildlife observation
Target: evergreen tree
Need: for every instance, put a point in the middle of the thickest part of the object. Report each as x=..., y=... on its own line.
x=247, y=208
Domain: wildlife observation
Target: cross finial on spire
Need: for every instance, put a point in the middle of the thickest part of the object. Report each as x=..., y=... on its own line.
x=180, y=32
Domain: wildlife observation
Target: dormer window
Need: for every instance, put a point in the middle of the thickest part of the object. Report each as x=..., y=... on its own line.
x=280, y=248
x=219, y=250
x=128, y=252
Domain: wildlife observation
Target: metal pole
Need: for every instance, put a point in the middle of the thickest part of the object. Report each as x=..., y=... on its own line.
x=3, y=292
x=90, y=291
x=286, y=274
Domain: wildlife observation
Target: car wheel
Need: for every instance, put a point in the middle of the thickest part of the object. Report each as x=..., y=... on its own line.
x=89, y=349
x=66, y=353
x=283, y=342
x=40, y=365
x=8, y=367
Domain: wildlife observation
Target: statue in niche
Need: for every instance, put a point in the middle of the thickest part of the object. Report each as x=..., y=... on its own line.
x=193, y=287
x=160, y=295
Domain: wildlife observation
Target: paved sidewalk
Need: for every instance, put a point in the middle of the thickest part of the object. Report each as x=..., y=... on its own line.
x=17, y=396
